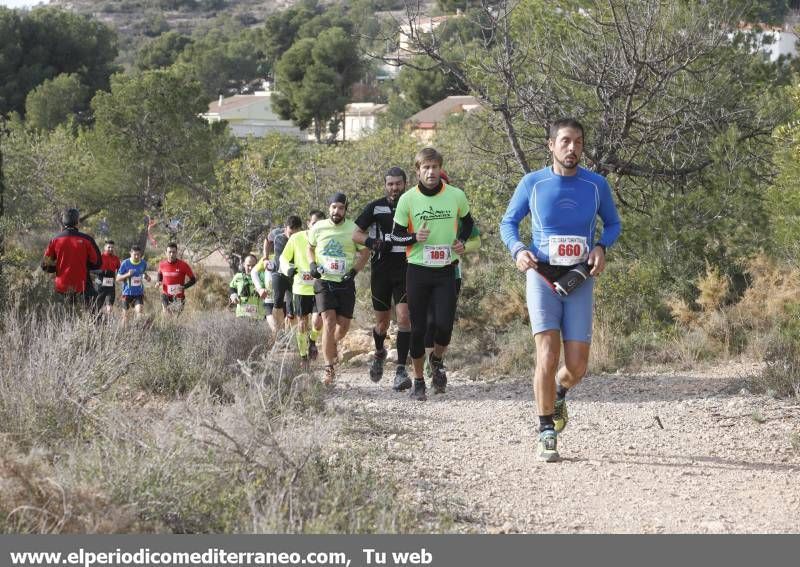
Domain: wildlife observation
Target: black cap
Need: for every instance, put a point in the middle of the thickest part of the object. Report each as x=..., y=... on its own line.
x=70, y=217
x=338, y=198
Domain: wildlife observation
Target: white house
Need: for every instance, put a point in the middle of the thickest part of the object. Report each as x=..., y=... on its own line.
x=360, y=118
x=251, y=115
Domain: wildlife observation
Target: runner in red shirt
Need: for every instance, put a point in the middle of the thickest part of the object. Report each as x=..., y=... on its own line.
x=70, y=255
x=109, y=266
x=173, y=274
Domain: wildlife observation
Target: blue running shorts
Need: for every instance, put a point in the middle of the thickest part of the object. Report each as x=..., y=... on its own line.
x=572, y=315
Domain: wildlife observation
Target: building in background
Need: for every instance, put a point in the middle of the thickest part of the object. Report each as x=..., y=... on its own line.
x=424, y=123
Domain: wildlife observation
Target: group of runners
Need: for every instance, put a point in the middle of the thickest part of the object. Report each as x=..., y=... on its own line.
x=85, y=275
x=414, y=240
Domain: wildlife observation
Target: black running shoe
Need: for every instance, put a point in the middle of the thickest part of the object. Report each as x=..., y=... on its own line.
x=401, y=380
x=376, y=368
x=439, y=380
x=418, y=392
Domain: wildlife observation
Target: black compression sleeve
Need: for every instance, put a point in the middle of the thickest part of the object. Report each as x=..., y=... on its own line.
x=467, y=224
x=402, y=237
x=190, y=283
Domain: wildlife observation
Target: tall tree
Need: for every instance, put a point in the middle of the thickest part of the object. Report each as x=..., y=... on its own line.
x=314, y=78
x=151, y=140
x=162, y=51
x=45, y=42
x=654, y=81
x=55, y=101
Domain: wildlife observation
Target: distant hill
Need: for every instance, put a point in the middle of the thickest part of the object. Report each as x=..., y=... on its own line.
x=136, y=21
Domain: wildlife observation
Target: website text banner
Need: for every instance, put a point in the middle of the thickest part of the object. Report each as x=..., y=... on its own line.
x=396, y=551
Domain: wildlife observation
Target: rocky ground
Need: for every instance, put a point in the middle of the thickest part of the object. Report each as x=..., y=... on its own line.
x=655, y=452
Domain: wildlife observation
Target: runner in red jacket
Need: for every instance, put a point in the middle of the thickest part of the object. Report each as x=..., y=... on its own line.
x=70, y=255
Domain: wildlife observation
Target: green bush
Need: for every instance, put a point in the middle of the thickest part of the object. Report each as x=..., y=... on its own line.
x=780, y=375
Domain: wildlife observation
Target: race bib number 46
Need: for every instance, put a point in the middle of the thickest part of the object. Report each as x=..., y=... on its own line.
x=174, y=289
x=334, y=266
x=568, y=250
x=436, y=255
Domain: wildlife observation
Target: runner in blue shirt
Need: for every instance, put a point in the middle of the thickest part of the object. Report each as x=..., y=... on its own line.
x=564, y=201
x=133, y=273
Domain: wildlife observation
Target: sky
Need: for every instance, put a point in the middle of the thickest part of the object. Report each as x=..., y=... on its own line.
x=20, y=3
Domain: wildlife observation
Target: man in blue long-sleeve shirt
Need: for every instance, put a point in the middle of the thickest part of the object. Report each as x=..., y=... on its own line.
x=564, y=201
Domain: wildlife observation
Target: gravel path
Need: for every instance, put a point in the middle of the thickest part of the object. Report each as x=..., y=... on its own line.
x=726, y=461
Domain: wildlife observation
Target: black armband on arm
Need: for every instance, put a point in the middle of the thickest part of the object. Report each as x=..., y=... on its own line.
x=467, y=224
x=402, y=237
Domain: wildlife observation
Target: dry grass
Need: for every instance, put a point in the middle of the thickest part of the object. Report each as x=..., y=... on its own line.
x=180, y=426
x=34, y=500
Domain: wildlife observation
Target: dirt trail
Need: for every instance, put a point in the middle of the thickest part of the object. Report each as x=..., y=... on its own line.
x=723, y=462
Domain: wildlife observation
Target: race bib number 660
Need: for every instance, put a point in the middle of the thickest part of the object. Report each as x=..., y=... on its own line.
x=567, y=250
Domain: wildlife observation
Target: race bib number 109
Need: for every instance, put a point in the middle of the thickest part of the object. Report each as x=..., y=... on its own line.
x=436, y=255
x=567, y=250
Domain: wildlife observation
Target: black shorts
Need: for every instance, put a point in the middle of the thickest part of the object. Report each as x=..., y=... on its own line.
x=340, y=297
x=167, y=300
x=106, y=296
x=130, y=300
x=281, y=288
x=304, y=304
x=388, y=283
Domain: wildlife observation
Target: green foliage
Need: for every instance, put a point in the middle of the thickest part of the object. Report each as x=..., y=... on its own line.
x=358, y=167
x=629, y=297
x=54, y=101
x=399, y=109
x=223, y=61
x=780, y=375
x=162, y=52
x=315, y=77
x=281, y=30
x=423, y=87
x=150, y=140
x=783, y=197
x=44, y=43
x=252, y=192
x=45, y=173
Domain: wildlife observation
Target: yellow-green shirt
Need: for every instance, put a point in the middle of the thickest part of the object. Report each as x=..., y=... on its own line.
x=295, y=253
x=440, y=213
x=335, y=251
